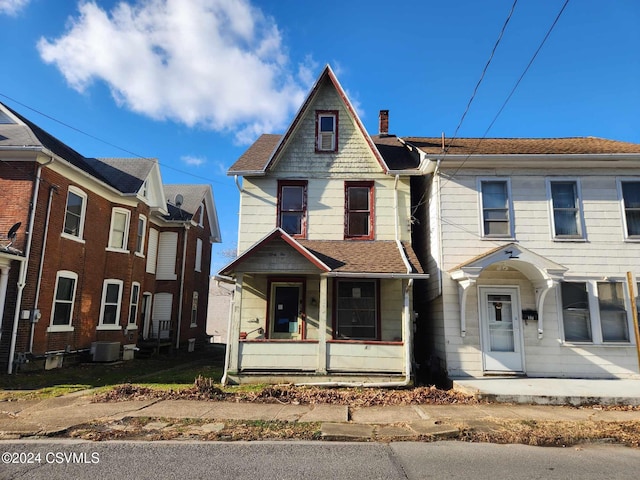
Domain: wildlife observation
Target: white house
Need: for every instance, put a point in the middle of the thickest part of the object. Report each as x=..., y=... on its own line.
x=528, y=243
x=324, y=274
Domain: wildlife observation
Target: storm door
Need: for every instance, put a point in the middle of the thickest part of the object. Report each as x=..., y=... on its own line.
x=501, y=329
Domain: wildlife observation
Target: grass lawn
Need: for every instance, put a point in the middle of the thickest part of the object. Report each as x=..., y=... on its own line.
x=165, y=371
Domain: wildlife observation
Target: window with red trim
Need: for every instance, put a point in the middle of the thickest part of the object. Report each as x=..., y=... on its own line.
x=359, y=212
x=292, y=207
x=326, y=131
x=357, y=311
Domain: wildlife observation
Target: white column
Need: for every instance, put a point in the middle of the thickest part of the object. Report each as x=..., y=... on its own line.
x=322, y=327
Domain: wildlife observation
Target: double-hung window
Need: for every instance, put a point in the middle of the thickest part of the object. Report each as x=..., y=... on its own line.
x=141, y=235
x=630, y=192
x=292, y=207
x=359, y=211
x=119, y=232
x=566, y=209
x=65, y=293
x=595, y=312
x=496, y=208
x=326, y=131
x=357, y=310
x=75, y=213
x=133, y=306
x=110, y=305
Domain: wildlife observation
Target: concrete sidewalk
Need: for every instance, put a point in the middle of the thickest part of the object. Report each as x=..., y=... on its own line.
x=33, y=418
x=551, y=391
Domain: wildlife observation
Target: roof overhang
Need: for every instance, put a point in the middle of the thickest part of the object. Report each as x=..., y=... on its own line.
x=543, y=273
x=276, y=234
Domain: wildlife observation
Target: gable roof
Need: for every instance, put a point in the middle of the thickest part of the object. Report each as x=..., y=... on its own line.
x=125, y=174
x=342, y=257
x=522, y=146
x=265, y=152
x=192, y=197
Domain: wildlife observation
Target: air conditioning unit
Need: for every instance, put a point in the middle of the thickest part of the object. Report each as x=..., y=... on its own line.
x=105, y=351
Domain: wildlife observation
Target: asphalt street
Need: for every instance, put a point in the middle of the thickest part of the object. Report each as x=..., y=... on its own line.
x=52, y=460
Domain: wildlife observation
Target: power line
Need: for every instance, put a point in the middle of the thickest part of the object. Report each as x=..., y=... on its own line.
x=484, y=70
x=106, y=142
x=475, y=90
x=504, y=104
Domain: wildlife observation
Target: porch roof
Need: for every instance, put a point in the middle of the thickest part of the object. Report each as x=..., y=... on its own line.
x=340, y=257
x=368, y=257
x=534, y=266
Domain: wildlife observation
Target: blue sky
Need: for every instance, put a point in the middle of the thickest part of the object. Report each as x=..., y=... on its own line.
x=193, y=82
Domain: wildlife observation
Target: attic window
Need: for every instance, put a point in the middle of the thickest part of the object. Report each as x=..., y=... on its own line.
x=326, y=131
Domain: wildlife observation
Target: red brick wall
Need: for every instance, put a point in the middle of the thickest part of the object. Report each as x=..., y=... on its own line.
x=89, y=260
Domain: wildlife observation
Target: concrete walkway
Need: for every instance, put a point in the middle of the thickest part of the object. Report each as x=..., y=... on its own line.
x=33, y=418
x=552, y=391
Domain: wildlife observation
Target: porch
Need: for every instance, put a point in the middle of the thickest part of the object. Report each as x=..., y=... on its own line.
x=302, y=362
x=316, y=316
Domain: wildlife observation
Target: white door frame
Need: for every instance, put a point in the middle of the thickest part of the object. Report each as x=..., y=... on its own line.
x=510, y=361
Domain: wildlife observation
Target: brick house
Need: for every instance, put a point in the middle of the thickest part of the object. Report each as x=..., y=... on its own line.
x=104, y=251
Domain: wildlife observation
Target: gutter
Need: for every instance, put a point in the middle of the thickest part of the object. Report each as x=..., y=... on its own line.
x=52, y=189
x=22, y=276
x=184, y=262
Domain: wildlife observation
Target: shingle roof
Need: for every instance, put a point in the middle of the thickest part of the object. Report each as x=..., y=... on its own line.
x=523, y=146
x=395, y=153
x=125, y=174
x=257, y=156
x=362, y=257
x=340, y=256
x=192, y=195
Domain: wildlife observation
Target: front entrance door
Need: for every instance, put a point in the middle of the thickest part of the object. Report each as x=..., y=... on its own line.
x=285, y=320
x=501, y=329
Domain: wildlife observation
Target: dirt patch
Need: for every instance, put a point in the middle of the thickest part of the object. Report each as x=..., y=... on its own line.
x=558, y=434
x=194, y=429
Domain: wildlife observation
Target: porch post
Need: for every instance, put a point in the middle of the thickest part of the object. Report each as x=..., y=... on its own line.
x=234, y=331
x=542, y=288
x=322, y=327
x=463, y=290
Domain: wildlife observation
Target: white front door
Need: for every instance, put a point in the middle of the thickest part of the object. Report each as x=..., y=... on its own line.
x=501, y=329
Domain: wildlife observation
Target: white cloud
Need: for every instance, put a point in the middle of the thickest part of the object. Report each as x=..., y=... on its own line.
x=12, y=7
x=218, y=64
x=193, y=161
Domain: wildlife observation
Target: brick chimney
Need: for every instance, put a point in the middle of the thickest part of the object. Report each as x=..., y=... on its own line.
x=383, y=128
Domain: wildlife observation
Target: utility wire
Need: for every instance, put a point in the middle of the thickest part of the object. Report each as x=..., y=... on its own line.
x=475, y=91
x=106, y=142
x=504, y=104
x=484, y=70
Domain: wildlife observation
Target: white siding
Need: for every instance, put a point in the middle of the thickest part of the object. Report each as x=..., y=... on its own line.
x=167, y=254
x=604, y=253
x=325, y=200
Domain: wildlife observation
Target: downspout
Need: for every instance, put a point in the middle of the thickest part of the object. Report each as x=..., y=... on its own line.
x=52, y=189
x=184, y=262
x=227, y=350
x=406, y=318
x=240, y=190
x=22, y=275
